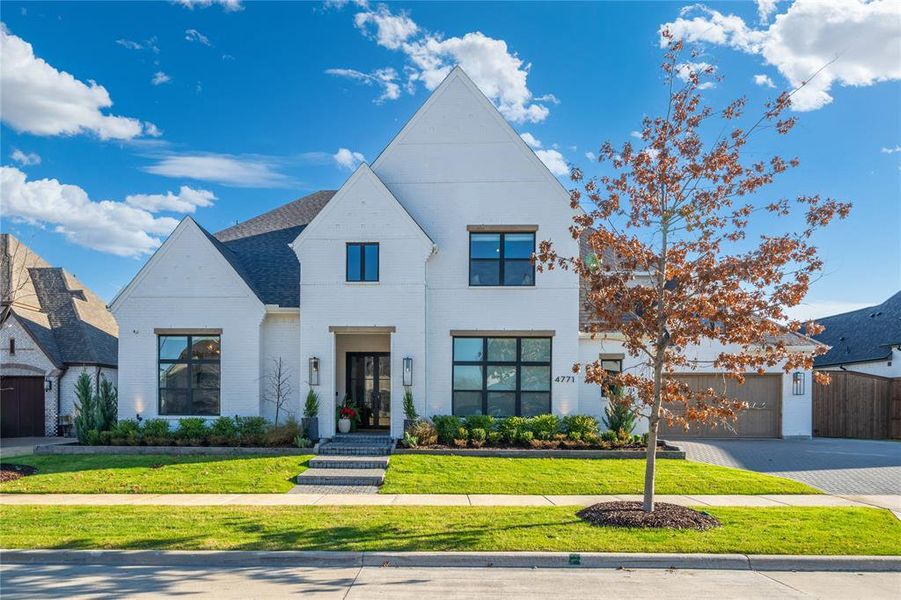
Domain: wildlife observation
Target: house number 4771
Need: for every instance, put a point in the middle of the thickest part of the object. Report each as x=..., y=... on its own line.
x=565, y=379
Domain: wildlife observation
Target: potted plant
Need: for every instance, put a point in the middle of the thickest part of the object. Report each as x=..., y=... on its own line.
x=310, y=420
x=346, y=415
x=410, y=414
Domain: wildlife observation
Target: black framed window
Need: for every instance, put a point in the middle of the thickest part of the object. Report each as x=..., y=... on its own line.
x=614, y=366
x=501, y=376
x=189, y=371
x=501, y=259
x=363, y=261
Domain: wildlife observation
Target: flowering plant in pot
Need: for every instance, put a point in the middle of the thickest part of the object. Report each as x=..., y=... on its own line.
x=346, y=414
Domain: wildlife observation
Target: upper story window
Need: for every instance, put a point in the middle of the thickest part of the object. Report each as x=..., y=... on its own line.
x=12, y=345
x=501, y=259
x=189, y=375
x=362, y=261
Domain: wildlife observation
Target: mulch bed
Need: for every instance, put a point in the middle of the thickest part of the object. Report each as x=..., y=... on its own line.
x=631, y=514
x=10, y=472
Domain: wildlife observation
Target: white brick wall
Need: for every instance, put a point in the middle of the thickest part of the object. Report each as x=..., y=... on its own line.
x=187, y=284
x=279, y=336
x=29, y=361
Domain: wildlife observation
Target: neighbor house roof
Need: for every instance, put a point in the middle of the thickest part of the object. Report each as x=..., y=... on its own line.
x=70, y=323
x=861, y=335
x=258, y=248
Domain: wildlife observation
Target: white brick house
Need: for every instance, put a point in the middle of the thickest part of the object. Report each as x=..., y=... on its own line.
x=419, y=260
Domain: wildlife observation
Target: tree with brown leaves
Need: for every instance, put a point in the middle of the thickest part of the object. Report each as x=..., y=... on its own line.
x=672, y=265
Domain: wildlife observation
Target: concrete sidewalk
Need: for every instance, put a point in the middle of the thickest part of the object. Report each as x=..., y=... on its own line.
x=888, y=502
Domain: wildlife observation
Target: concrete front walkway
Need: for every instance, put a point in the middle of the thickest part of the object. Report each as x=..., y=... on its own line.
x=10, y=447
x=889, y=502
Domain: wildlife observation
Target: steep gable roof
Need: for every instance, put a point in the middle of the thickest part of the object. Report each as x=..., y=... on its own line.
x=70, y=323
x=861, y=335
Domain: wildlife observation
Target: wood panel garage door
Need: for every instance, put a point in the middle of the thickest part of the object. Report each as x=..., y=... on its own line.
x=22, y=406
x=763, y=419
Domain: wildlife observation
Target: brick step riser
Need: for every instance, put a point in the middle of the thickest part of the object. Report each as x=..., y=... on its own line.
x=340, y=481
x=323, y=464
x=361, y=451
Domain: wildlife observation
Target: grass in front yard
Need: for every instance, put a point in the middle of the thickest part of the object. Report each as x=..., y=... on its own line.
x=787, y=530
x=424, y=474
x=156, y=474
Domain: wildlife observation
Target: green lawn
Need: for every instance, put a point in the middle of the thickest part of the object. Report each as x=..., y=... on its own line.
x=156, y=474
x=422, y=474
x=366, y=528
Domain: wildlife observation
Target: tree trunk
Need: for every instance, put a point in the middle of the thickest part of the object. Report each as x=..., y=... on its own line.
x=653, y=425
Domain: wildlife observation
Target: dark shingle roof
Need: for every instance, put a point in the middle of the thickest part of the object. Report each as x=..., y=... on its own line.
x=70, y=323
x=861, y=335
x=258, y=248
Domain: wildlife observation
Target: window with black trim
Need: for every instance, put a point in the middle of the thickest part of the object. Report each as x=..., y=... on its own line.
x=501, y=376
x=189, y=375
x=501, y=259
x=362, y=261
x=613, y=366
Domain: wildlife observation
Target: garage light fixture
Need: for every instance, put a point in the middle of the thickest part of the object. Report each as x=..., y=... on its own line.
x=48, y=385
x=314, y=370
x=798, y=383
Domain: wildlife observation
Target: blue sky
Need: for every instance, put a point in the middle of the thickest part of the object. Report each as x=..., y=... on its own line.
x=225, y=110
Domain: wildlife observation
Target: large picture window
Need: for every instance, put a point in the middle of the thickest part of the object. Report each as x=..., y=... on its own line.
x=189, y=375
x=501, y=376
x=362, y=262
x=501, y=259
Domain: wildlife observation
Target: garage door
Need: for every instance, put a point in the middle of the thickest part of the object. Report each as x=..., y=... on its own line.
x=21, y=406
x=761, y=420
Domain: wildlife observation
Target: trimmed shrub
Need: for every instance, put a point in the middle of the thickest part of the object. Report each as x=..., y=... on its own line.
x=410, y=413
x=251, y=430
x=478, y=436
x=283, y=435
x=125, y=432
x=486, y=422
x=544, y=427
x=424, y=432
x=579, y=425
x=618, y=415
x=191, y=431
x=311, y=405
x=224, y=432
x=494, y=438
x=511, y=429
x=447, y=427
x=156, y=432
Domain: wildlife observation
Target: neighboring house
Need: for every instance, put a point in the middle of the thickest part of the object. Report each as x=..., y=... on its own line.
x=866, y=340
x=53, y=329
x=415, y=274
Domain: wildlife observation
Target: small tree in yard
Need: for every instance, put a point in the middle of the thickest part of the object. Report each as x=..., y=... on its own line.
x=86, y=408
x=673, y=265
x=279, y=388
x=107, y=405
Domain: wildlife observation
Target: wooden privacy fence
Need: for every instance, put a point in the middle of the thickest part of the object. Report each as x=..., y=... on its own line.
x=857, y=405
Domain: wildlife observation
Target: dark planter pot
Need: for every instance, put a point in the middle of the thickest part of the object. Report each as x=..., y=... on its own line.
x=310, y=428
x=408, y=423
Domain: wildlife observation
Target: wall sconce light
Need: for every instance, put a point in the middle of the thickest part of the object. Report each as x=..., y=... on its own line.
x=408, y=371
x=798, y=383
x=314, y=371
x=48, y=385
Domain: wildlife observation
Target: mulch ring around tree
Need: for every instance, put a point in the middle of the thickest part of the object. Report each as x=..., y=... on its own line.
x=10, y=472
x=631, y=514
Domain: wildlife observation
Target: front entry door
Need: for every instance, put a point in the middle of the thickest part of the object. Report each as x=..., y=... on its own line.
x=369, y=387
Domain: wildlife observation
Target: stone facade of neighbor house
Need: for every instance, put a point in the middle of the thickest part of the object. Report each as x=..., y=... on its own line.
x=415, y=274
x=52, y=328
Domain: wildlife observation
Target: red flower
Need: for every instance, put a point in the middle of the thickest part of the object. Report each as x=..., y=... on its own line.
x=347, y=413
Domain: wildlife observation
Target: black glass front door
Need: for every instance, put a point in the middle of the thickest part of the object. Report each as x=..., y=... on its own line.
x=369, y=387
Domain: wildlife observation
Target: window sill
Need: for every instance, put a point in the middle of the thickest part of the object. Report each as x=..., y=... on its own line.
x=362, y=282
x=502, y=287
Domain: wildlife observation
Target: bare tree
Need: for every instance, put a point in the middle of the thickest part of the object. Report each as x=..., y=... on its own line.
x=279, y=388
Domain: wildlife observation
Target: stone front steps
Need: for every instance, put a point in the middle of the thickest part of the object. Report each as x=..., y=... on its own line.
x=349, y=460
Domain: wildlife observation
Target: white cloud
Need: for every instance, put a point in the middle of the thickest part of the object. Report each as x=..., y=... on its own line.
x=765, y=8
x=27, y=159
x=385, y=78
x=149, y=44
x=152, y=130
x=686, y=69
x=160, y=78
x=501, y=75
x=635, y=134
x=764, y=80
x=187, y=200
x=844, y=42
x=554, y=161
x=530, y=140
x=106, y=226
x=390, y=30
x=227, y=5
x=39, y=99
x=891, y=150
x=192, y=35
x=226, y=169
x=348, y=159
x=591, y=155
x=131, y=45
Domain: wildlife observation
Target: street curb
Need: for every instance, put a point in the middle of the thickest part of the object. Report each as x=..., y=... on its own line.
x=548, y=560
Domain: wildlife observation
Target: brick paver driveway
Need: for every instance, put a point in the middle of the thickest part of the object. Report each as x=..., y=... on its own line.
x=832, y=465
